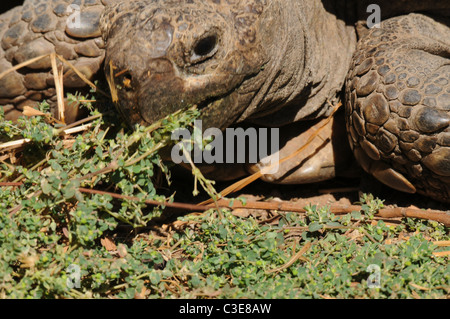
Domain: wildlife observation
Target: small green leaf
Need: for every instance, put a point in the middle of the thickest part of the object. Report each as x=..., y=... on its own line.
x=356, y=215
x=155, y=277
x=314, y=227
x=136, y=169
x=69, y=191
x=46, y=187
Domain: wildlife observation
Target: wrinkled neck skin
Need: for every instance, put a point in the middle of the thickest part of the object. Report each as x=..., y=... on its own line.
x=308, y=53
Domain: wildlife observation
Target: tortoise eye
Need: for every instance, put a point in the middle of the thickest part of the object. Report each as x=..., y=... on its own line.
x=205, y=46
x=204, y=49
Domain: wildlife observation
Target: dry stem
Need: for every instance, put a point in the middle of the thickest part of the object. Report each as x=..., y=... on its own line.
x=285, y=206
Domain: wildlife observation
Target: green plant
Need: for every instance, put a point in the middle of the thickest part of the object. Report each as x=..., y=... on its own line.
x=53, y=232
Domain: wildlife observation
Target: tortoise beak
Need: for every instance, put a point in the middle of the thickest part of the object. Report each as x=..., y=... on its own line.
x=161, y=91
x=142, y=79
x=146, y=97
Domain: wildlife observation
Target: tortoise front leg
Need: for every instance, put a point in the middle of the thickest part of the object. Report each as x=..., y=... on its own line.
x=398, y=105
x=322, y=156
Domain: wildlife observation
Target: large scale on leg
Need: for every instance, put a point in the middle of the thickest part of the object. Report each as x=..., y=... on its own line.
x=398, y=105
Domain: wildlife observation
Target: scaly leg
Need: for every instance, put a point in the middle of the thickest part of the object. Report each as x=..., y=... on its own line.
x=398, y=104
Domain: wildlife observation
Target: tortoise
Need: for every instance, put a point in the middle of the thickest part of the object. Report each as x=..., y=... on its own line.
x=268, y=63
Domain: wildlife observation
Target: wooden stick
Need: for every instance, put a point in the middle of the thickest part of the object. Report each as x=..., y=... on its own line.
x=299, y=207
x=23, y=64
x=442, y=253
x=58, y=79
x=443, y=243
x=111, y=83
x=20, y=143
x=68, y=129
x=78, y=129
x=81, y=75
x=15, y=144
x=183, y=206
x=292, y=260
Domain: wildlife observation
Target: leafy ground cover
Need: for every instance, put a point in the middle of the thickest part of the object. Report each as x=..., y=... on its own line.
x=60, y=239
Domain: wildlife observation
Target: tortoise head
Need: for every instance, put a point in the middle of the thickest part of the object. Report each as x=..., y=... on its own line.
x=162, y=56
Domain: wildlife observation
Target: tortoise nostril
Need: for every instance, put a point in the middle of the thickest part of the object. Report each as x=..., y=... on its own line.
x=205, y=46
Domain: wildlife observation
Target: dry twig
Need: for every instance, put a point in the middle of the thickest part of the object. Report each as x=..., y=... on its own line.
x=292, y=260
x=299, y=206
